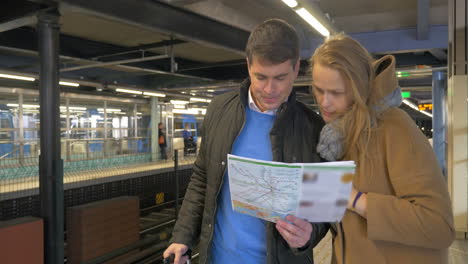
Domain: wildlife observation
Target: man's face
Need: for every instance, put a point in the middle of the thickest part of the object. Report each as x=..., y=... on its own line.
x=271, y=84
x=330, y=90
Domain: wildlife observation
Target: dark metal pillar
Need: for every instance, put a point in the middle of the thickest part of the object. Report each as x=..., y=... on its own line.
x=439, y=117
x=176, y=175
x=50, y=162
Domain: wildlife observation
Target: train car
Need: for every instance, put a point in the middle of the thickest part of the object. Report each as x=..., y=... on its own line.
x=7, y=134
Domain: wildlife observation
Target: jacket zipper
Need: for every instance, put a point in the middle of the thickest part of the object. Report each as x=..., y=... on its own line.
x=219, y=189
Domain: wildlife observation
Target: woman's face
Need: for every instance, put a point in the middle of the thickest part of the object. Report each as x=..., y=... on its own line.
x=331, y=92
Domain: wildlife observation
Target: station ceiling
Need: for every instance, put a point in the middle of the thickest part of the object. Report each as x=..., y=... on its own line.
x=130, y=43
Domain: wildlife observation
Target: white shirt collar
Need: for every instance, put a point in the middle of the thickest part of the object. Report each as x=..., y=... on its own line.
x=253, y=106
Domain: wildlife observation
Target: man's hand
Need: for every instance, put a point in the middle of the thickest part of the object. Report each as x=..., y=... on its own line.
x=178, y=250
x=296, y=234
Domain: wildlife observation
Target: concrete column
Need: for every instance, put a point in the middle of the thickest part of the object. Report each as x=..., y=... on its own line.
x=457, y=99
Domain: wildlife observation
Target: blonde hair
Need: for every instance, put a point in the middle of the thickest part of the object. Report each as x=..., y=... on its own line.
x=354, y=63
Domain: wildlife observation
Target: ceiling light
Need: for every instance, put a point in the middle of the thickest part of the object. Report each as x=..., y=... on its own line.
x=313, y=21
x=181, y=111
x=195, y=99
x=128, y=91
x=410, y=104
x=73, y=107
x=109, y=110
x=9, y=76
x=24, y=105
x=69, y=84
x=179, y=102
x=191, y=111
x=426, y=113
x=154, y=94
x=179, y=106
x=290, y=3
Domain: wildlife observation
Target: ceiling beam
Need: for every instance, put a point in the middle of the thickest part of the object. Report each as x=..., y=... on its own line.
x=424, y=7
x=19, y=22
x=439, y=54
x=161, y=17
x=70, y=59
x=394, y=41
x=402, y=40
x=109, y=63
x=164, y=43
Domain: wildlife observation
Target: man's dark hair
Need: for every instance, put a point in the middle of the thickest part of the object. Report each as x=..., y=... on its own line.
x=273, y=40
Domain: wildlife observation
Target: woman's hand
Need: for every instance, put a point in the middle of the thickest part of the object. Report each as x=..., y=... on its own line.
x=361, y=203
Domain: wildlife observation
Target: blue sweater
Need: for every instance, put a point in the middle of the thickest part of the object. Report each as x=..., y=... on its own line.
x=239, y=238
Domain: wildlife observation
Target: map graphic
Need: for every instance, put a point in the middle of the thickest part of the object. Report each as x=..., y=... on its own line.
x=269, y=191
x=318, y=192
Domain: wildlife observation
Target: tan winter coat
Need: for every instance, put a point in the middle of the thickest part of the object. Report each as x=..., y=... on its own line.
x=409, y=213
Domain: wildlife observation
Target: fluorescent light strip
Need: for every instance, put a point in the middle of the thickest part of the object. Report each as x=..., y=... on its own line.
x=179, y=106
x=191, y=111
x=415, y=107
x=69, y=84
x=24, y=105
x=128, y=91
x=109, y=110
x=290, y=3
x=195, y=99
x=426, y=113
x=73, y=107
x=302, y=12
x=179, y=102
x=410, y=104
x=154, y=94
x=185, y=111
x=9, y=76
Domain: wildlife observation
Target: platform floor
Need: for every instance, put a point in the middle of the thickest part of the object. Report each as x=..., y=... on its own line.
x=458, y=251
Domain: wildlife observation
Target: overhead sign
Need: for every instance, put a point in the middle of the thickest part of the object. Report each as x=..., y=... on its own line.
x=405, y=94
x=425, y=107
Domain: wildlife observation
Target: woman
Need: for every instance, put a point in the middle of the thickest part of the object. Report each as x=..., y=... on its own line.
x=399, y=209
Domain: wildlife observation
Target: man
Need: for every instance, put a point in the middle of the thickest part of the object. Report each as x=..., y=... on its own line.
x=188, y=140
x=162, y=141
x=261, y=120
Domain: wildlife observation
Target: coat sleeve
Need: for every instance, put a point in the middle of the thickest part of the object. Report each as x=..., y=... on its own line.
x=187, y=228
x=420, y=212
